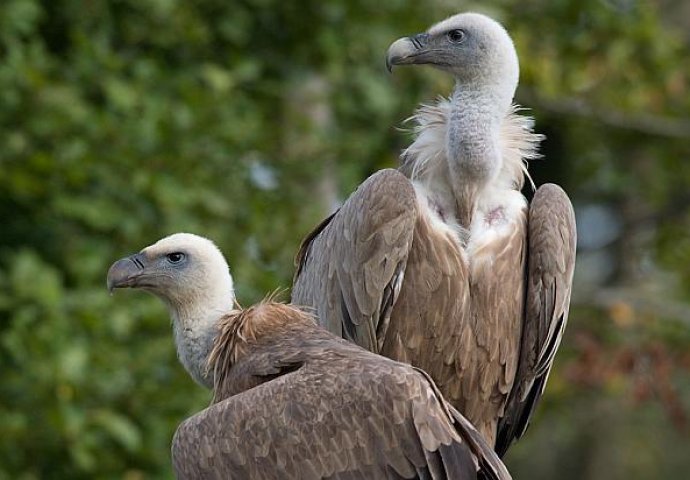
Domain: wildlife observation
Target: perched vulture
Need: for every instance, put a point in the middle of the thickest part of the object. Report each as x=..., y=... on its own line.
x=291, y=400
x=442, y=264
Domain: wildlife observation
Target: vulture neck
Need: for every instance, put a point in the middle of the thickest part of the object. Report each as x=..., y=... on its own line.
x=473, y=149
x=195, y=326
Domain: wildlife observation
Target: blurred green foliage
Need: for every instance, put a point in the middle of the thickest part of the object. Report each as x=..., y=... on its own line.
x=122, y=121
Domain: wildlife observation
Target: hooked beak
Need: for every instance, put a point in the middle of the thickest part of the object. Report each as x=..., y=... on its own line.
x=125, y=272
x=407, y=51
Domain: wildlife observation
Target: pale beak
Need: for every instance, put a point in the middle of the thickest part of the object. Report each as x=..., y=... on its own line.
x=407, y=51
x=125, y=272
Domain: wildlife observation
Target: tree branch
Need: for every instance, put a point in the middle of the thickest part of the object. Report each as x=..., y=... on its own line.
x=640, y=122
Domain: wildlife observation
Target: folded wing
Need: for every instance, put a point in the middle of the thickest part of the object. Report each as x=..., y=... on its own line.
x=351, y=267
x=361, y=416
x=551, y=263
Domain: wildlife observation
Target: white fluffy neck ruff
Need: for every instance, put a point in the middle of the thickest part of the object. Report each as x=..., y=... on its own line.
x=425, y=161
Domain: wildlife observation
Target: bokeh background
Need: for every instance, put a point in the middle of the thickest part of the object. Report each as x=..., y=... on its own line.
x=247, y=121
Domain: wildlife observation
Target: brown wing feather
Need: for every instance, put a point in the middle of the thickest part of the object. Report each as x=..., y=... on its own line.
x=384, y=275
x=345, y=413
x=351, y=267
x=551, y=263
x=461, y=323
x=490, y=465
x=498, y=293
x=428, y=319
x=305, y=247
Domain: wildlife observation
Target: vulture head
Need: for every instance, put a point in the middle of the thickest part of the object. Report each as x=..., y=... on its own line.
x=190, y=274
x=472, y=145
x=475, y=49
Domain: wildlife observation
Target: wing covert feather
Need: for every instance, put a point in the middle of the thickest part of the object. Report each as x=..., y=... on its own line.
x=335, y=420
x=351, y=267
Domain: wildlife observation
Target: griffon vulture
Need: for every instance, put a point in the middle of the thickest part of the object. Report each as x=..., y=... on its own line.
x=291, y=400
x=443, y=264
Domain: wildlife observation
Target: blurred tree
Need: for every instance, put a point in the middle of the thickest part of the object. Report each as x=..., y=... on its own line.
x=246, y=121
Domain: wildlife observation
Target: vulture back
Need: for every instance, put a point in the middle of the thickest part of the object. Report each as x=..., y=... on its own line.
x=293, y=401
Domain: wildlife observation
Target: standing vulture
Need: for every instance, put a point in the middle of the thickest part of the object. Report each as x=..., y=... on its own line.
x=291, y=400
x=442, y=264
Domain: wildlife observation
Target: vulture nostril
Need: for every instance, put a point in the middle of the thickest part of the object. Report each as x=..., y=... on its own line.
x=137, y=262
x=419, y=40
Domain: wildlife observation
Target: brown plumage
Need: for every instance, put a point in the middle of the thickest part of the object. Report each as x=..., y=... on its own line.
x=443, y=264
x=291, y=400
x=383, y=276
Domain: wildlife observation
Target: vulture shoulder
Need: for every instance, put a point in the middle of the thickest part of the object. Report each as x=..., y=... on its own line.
x=550, y=267
x=337, y=412
x=351, y=267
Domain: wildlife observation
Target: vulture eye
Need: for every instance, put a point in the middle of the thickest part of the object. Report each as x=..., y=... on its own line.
x=175, y=257
x=456, y=36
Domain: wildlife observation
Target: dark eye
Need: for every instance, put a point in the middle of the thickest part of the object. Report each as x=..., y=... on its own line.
x=456, y=36
x=175, y=257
